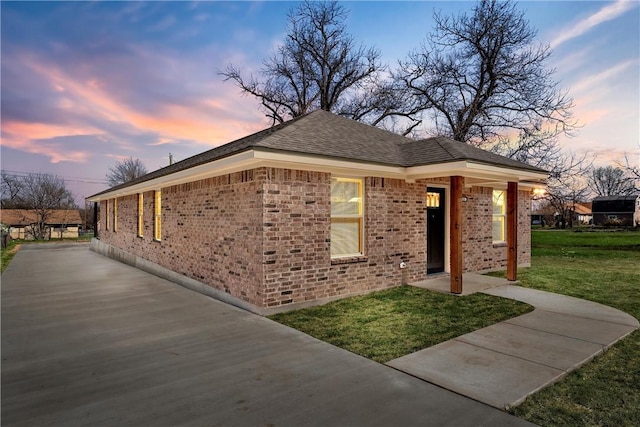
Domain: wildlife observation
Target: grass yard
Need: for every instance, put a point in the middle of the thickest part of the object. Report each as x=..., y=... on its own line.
x=603, y=267
x=388, y=324
x=8, y=253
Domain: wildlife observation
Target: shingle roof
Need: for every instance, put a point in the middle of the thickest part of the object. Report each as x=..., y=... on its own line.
x=325, y=134
x=615, y=198
x=16, y=217
x=583, y=208
x=441, y=150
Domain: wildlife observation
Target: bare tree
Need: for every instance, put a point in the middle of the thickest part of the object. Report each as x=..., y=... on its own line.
x=11, y=188
x=610, y=181
x=320, y=66
x=632, y=171
x=482, y=75
x=567, y=186
x=42, y=194
x=125, y=171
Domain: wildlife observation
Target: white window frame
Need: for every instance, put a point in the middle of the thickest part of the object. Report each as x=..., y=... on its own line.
x=140, y=214
x=107, y=225
x=157, y=215
x=359, y=216
x=115, y=215
x=502, y=215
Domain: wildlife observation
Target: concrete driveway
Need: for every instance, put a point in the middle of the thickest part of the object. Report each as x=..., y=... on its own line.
x=90, y=341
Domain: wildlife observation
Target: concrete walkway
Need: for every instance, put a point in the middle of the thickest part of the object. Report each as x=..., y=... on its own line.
x=90, y=341
x=504, y=363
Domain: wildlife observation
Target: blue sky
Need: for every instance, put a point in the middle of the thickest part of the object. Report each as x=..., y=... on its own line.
x=87, y=83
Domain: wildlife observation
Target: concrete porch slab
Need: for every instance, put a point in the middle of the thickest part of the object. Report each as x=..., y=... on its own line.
x=471, y=283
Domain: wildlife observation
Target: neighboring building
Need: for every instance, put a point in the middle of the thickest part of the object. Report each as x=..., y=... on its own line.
x=616, y=210
x=319, y=208
x=582, y=213
x=547, y=215
x=61, y=223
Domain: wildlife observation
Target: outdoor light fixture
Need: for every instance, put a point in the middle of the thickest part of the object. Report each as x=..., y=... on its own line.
x=539, y=192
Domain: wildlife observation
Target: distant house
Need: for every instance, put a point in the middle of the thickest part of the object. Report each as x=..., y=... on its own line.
x=616, y=210
x=61, y=223
x=583, y=213
x=580, y=214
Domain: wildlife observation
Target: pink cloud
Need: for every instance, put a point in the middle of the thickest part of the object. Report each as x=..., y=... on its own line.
x=92, y=100
x=27, y=137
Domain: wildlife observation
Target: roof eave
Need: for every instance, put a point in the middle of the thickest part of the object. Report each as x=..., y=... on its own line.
x=484, y=172
x=261, y=157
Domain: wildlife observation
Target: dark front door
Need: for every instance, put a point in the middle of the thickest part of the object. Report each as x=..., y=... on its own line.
x=435, y=230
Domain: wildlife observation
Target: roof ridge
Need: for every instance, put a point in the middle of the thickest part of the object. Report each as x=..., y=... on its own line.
x=446, y=146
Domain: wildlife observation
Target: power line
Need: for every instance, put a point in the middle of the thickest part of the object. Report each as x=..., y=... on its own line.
x=20, y=174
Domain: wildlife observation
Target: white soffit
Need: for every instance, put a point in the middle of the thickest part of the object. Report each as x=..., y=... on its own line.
x=477, y=172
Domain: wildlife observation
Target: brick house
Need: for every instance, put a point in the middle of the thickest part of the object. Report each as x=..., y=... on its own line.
x=319, y=208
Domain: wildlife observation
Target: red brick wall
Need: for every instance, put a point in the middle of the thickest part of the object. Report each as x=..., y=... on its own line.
x=298, y=265
x=480, y=254
x=211, y=232
x=264, y=235
x=524, y=227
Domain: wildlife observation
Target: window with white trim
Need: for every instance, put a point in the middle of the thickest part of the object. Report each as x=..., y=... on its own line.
x=107, y=224
x=115, y=214
x=157, y=208
x=347, y=224
x=499, y=229
x=140, y=214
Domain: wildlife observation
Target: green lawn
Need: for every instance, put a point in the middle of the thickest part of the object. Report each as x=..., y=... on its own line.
x=392, y=323
x=7, y=254
x=603, y=267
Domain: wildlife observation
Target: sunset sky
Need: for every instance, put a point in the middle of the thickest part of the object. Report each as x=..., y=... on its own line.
x=87, y=83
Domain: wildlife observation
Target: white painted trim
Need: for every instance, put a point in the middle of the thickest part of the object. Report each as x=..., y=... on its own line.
x=338, y=167
x=234, y=163
x=447, y=222
x=469, y=169
x=267, y=158
x=525, y=185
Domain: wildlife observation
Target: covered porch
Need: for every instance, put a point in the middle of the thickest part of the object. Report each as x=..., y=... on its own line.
x=466, y=224
x=456, y=250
